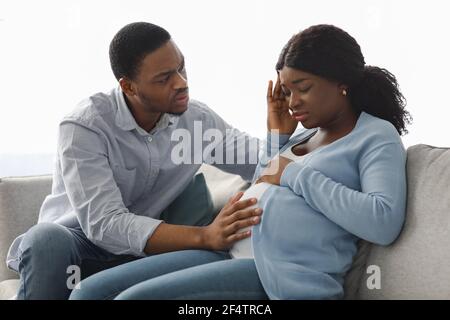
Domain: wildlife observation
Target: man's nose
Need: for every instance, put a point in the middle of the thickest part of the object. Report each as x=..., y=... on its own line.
x=181, y=81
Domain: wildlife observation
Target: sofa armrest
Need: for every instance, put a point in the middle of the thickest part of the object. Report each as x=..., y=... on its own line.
x=20, y=201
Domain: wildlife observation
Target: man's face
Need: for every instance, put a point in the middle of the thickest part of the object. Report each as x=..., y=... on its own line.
x=161, y=82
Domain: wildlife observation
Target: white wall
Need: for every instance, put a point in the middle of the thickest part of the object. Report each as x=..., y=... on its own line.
x=55, y=53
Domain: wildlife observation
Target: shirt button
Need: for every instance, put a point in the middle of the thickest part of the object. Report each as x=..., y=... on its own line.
x=149, y=139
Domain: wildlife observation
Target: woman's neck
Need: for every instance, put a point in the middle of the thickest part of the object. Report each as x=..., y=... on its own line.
x=343, y=123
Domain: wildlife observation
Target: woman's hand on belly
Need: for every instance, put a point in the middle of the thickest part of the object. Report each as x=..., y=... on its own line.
x=223, y=232
x=275, y=168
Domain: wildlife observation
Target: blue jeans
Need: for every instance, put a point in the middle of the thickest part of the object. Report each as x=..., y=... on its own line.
x=47, y=251
x=187, y=274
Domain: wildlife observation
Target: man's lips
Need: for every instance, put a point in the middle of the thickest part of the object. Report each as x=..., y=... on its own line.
x=181, y=97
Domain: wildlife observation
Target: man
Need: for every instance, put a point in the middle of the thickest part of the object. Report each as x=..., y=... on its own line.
x=115, y=172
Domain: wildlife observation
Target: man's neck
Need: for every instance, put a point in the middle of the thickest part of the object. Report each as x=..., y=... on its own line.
x=145, y=120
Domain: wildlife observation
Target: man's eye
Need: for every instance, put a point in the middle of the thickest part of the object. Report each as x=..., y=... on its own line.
x=163, y=80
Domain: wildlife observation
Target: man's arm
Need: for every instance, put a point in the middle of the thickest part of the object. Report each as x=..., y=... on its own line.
x=107, y=222
x=219, y=235
x=94, y=194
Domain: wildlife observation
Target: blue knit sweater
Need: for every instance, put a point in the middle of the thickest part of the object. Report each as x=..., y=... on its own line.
x=353, y=188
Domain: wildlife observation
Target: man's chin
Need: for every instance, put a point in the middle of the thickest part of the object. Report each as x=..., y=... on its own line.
x=177, y=113
x=178, y=110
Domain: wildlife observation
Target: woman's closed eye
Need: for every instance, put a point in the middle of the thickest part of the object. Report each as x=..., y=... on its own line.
x=304, y=89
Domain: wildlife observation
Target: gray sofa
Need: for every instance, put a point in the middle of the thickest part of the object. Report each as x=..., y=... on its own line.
x=415, y=266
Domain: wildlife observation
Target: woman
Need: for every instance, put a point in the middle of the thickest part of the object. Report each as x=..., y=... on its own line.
x=338, y=179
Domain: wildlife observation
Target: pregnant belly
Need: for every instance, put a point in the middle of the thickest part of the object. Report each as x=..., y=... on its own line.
x=243, y=248
x=291, y=229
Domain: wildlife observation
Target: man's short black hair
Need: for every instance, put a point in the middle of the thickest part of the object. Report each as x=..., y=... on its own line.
x=131, y=44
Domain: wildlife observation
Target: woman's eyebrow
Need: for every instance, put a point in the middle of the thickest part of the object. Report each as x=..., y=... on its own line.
x=299, y=80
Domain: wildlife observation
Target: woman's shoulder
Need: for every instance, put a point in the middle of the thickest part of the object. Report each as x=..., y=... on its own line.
x=375, y=134
x=376, y=129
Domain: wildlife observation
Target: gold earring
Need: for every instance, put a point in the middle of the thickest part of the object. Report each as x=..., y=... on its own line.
x=344, y=92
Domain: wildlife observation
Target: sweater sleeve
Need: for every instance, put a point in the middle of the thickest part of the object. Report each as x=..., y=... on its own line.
x=270, y=147
x=376, y=212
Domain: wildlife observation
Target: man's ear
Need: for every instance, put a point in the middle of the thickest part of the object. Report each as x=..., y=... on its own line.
x=126, y=86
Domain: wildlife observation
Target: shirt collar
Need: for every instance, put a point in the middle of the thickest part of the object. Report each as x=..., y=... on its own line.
x=126, y=121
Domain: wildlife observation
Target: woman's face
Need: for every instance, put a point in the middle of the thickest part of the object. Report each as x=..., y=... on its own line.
x=313, y=100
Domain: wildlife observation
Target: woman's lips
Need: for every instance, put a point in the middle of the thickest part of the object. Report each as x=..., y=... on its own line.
x=300, y=116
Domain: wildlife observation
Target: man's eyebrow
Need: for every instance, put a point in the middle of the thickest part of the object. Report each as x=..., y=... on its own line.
x=163, y=73
x=167, y=72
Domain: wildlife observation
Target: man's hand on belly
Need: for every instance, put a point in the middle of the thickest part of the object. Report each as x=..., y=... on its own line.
x=223, y=232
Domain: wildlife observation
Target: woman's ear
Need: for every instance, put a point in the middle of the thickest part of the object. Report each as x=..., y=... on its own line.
x=343, y=89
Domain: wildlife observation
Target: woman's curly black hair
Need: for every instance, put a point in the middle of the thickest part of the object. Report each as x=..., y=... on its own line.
x=330, y=52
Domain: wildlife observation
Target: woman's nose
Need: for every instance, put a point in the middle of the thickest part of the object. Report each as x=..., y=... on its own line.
x=294, y=101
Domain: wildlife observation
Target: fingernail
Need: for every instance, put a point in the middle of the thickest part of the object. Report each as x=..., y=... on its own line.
x=259, y=210
x=255, y=219
x=253, y=200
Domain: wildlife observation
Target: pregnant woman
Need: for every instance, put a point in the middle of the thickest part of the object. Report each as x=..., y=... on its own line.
x=338, y=178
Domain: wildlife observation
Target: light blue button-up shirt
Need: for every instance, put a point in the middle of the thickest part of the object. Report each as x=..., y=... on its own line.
x=114, y=179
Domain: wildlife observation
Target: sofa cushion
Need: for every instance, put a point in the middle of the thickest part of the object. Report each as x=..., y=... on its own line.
x=222, y=185
x=8, y=289
x=204, y=197
x=417, y=264
x=193, y=207
x=358, y=268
